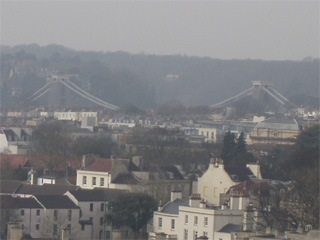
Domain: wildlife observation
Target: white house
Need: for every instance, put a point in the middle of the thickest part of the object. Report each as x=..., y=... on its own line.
x=100, y=172
x=94, y=205
x=219, y=178
x=44, y=216
x=190, y=219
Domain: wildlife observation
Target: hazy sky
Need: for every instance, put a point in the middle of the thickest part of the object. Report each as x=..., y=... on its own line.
x=270, y=30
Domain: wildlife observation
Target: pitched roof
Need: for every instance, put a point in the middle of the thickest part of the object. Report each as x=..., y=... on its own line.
x=9, y=186
x=100, y=165
x=14, y=161
x=279, y=124
x=172, y=169
x=239, y=174
x=261, y=187
x=173, y=207
x=45, y=189
x=86, y=195
x=56, y=202
x=9, y=202
x=37, y=161
x=231, y=228
x=126, y=178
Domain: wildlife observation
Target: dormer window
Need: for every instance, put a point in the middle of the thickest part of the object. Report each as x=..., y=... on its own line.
x=234, y=178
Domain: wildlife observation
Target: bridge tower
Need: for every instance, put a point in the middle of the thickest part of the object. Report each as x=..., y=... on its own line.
x=59, y=94
x=258, y=91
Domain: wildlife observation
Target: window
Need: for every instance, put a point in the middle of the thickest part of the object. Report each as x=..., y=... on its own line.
x=91, y=207
x=195, y=235
x=55, y=215
x=205, y=191
x=37, y=226
x=185, y=234
x=196, y=220
x=69, y=226
x=80, y=213
x=38, y=212
x=84, y=180
x=173, y=224
x=22, y=226
x=108, y=235
x=101, y=221
x=101, y=182
x=94, y=180
x=22, y=212
x=102, y=207
x=55, y=229
x=186, y=219
x=82, y=227
x=90, y=219
x=160, y=222
x=205, y=221
x=69, y=215
x=216, y=192
x=205, y=234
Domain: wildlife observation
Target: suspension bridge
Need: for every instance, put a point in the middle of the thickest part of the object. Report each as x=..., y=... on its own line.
x=257, y=91
x=57, y=86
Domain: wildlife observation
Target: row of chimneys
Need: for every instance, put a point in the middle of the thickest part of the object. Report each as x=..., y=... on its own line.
x=194, y=200
x=15, y=231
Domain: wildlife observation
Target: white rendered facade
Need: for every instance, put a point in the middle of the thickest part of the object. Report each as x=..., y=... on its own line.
x=94, y=212
x=214, y=182
x=92, y=179
x=194, y=221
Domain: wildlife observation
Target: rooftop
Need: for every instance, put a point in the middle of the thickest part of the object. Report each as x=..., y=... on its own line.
x=84, y=195
x=56, y=202
x=9, y=202
x=173, y=207
x=279, y=124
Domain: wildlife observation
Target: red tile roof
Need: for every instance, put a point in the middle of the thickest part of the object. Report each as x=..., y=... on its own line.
x=37, y=161
x=14, y=161
x=100, y=165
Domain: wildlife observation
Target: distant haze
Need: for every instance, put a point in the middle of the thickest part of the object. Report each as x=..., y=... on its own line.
x=269, y=30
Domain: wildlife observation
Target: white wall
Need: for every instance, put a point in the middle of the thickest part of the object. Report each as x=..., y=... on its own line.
x=213, y=182
x=90, y=175
x=3, y=142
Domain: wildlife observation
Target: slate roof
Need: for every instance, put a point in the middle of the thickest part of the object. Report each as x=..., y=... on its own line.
x=9, y=186
x=261, y=187
x=279, y=124
x=126, y=178
x=239, y=174
x=173, y=207
x=100, y=165
x=10, y=132
x=9, y=202
x=231, y=228
x=45, y=189
x=176, y=174
x=56, y=202
x=98, y=195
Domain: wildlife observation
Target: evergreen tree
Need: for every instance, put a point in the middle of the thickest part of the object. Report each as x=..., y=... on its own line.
x=228, y=148
x=234, y=151
x=241, y=144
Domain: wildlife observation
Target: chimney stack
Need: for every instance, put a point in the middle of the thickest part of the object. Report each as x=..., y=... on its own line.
x=66, y=233
x=194, y=200
x=175, y=194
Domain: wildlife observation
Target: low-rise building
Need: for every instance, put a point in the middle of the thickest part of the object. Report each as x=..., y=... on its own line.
x=94, y=206
x=219, y=178
x=190, y=219
x=275, y=131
